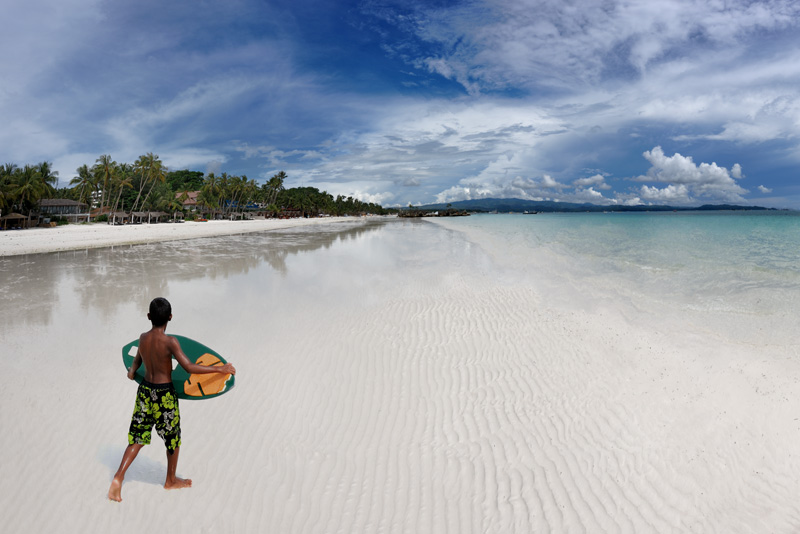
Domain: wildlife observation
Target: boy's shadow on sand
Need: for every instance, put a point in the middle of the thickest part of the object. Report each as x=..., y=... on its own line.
x=144, y=469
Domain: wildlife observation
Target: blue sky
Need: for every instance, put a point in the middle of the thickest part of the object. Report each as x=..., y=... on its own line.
x=398, y=102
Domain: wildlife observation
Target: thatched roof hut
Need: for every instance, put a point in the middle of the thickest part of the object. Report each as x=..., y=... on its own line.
x=118, y=217
x=13, y=220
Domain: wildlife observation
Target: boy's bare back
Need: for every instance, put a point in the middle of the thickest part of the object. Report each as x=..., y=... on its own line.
x=156, y=349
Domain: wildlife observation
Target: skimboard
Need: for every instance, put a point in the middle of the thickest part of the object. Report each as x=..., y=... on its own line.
x=188, y=386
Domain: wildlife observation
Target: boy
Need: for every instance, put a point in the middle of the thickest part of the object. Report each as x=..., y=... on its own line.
x=156, y=400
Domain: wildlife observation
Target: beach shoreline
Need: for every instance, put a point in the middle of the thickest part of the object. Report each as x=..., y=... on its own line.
x=100, y=235
x=401, y=376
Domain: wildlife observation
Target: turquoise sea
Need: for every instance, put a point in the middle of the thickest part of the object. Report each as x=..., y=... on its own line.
x=732, y=264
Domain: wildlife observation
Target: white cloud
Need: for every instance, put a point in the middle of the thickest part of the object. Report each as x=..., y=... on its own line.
x=704, y=181
x=534, y=43
x=550, y=183
x=763, y=189
x=598, y=181
x=590, y=195
x=374, y=198
x=672, y=194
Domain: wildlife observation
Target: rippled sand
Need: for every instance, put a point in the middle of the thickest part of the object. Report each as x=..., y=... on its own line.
x=391, y=378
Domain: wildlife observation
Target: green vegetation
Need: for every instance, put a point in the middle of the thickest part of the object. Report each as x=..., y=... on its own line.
x=21, y=188
x=147, y=185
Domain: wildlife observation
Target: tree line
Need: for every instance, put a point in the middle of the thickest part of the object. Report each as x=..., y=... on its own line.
x=147, y=185
x=21, y=188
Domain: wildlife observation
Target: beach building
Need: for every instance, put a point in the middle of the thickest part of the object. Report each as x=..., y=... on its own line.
x=118, y=217
x=150, y=217
x=13, y=221
x=190, y=202
x=72, y=210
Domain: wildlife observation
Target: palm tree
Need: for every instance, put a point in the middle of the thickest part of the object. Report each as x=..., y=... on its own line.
x=207, y=199
x=149, y=169
x=275, y=186
x=177, y=203
x=156, y=173
x=238, y=189
x=29, y=188
x=224, y=183
x=210, y=193
x=123, y=181
x=49, y=176
x=251, y=191
x=7, y=186
x=182, y=196
x=85, y=183
x=87, y=186
x=140, y=167
x=104, y=170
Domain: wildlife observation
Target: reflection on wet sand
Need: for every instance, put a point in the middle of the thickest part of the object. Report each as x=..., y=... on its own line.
x=134, y=273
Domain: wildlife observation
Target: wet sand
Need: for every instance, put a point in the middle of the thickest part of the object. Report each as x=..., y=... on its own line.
x=95, y=235
x=392, y=377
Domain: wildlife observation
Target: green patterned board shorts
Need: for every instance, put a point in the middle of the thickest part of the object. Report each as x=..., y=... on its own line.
x=156, y=404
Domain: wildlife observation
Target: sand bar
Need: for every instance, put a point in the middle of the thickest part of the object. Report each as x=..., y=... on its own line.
x=97, y=235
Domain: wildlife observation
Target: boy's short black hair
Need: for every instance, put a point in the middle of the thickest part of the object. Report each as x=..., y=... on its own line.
x=160, y=310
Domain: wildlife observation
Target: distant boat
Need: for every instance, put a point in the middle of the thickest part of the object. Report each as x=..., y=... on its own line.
x=530, y=212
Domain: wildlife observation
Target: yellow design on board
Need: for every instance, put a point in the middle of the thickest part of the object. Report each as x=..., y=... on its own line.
x=200, y=385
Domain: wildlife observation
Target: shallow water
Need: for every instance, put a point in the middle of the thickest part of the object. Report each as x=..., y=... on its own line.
x=201, y=275
x=726, y=267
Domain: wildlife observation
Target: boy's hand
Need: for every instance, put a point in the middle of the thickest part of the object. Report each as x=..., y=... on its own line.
x=131, y=373
x=228, y=369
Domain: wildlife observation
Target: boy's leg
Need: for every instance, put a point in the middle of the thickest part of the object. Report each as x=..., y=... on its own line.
x=172, y=481
x=115, y=491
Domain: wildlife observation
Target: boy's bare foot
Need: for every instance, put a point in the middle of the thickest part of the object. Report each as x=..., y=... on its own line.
x=178, y=483
x=115, y=491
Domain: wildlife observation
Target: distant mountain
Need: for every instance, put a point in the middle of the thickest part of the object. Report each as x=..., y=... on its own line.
x=516, y=205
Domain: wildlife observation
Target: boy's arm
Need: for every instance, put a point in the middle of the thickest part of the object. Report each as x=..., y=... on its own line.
x=193, y=368
x=137, y=361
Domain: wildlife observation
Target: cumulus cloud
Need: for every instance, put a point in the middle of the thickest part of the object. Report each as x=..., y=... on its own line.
x=550, y=183
x=672, y=194
x=598, y=181
x=763, y=189
x=688, y=181
x=590, y=195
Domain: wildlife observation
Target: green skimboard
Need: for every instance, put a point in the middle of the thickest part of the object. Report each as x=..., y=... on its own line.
x=188, y=386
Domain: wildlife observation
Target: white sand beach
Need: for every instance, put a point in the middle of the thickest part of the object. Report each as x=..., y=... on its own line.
x=96, y=235
x=392, y=377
